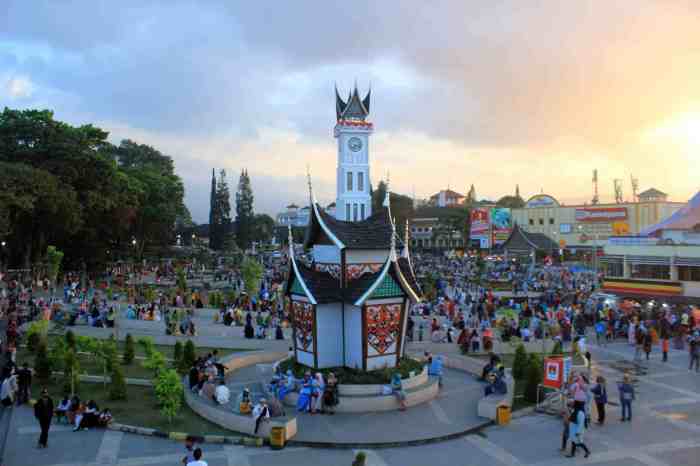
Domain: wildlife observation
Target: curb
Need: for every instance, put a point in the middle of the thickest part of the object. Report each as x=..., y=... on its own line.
x=409, y=443
x=181, y=436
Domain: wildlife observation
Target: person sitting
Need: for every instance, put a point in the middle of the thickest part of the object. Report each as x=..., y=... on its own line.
x=104, y=419
x=305, y=394
x=73, y=409
x=276, y=408
x=88, y=418
x=222, y=393
x=330, y=396
x=261, y=413
x=497, y=385
x=61, y=411
x=208, y=389
x=193, y=378
x=286, y=385
x=242, y=405
x=279, y=334
x=491, y=366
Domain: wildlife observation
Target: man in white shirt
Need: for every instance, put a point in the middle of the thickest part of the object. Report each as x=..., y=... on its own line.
x=222, y=393
x=198, y=461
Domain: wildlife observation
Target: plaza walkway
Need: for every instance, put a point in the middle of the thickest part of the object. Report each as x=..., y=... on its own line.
x=665, y=431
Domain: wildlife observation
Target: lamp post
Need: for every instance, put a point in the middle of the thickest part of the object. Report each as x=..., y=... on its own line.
x=2, y=254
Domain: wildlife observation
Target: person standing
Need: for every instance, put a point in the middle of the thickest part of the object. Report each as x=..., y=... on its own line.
x=664, y=348
x=24, y=380
x=626, y=398
x=600, y=394
x=694, y=351
x=198, y=461
x=43, y=411
x=648, y=340
x=577, y=427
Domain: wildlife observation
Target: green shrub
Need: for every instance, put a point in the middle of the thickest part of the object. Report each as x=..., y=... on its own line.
x=533, y=378
x=177, y=354
x=70, y=340
x=357, y=376
x=557, y=350
x=37, y=331
x=520, y=362
x=117, y=389
x=129, y=350
x=168, y=388
x=360, y=459
x=42, y=363
x=189, y=355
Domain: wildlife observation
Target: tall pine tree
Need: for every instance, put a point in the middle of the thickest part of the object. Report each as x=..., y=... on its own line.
x=244, y=211
x=220, y=215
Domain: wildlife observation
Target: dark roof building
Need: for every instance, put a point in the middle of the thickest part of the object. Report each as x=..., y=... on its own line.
x=521, y=242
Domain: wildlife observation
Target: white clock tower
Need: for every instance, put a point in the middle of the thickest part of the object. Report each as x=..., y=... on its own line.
x=353, y=201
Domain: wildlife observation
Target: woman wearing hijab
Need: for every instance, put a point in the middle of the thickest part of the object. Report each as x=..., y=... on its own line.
x=577, y=427
x=304, y=401
x=319, y=386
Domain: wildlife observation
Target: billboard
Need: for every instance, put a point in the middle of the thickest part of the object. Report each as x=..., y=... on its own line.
x=479, y=222
x=601, y=214
x=541, y=200
x=480, y=226
x=500, y=225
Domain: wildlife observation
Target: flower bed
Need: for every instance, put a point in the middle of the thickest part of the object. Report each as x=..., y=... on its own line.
x=349, y=376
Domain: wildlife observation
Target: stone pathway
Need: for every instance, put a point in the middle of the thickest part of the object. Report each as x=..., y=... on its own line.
x=665, y=431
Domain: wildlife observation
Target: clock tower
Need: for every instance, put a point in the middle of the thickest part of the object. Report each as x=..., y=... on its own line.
x=352, y=130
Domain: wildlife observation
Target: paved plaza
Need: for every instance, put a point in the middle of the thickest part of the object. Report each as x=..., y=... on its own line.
x=665, y=431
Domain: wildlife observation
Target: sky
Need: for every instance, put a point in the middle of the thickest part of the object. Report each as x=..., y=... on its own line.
x=494, y=94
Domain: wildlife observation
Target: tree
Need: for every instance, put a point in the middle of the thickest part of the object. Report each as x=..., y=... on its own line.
x=129, y=350
x=520, y=362
x=36, y=333
x=263, y=228
x=54, y=257
x=42, y=363
x=168, y=388
x=220, y=217
x=252, y=272
x=117, y=387
x=533, y=377
x=512, y=202
x=189, y=355
x=71, y=372
x=244, y=211
x=471, y=197
x=181, y=280
x=155, y=361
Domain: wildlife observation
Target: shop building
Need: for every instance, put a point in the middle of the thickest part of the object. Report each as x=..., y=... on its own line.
x=587, y=227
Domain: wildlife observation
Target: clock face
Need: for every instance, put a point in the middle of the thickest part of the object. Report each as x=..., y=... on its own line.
x=355, y=144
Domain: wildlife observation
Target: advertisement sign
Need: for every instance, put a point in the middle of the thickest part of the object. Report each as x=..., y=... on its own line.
x=500, y=225
x=541, y=200
x=480, y=227
x=601, y=214
x=553, y=372
x=620, y=228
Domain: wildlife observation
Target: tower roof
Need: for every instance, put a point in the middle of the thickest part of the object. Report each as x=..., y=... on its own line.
x=374, y=232
x=354, y=108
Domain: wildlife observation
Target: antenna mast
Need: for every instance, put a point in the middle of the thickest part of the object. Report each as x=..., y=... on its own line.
x=618, y=190
x=635, y=188
x=595, y=187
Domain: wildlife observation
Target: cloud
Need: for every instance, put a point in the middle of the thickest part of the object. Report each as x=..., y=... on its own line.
x=493, y=93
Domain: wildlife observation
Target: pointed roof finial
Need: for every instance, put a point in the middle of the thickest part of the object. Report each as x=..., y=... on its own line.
x=392, y=251
x=405, y=252
x=311, y=189
x=290, y=238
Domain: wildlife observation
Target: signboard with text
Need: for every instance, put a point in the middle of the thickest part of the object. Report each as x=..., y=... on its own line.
x=541, y=200
x=480, y=226
x=601, y=214
x=500, y=225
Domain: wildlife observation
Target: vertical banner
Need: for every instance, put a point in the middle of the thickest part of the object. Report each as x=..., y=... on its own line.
x=553, y=372
x=500, y=225
x=480, y=227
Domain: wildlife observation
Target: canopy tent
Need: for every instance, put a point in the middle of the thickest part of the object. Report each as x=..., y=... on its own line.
x=686, y=218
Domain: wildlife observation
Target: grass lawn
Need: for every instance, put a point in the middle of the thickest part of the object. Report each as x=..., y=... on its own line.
x=141, y=409
x=92, y=366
